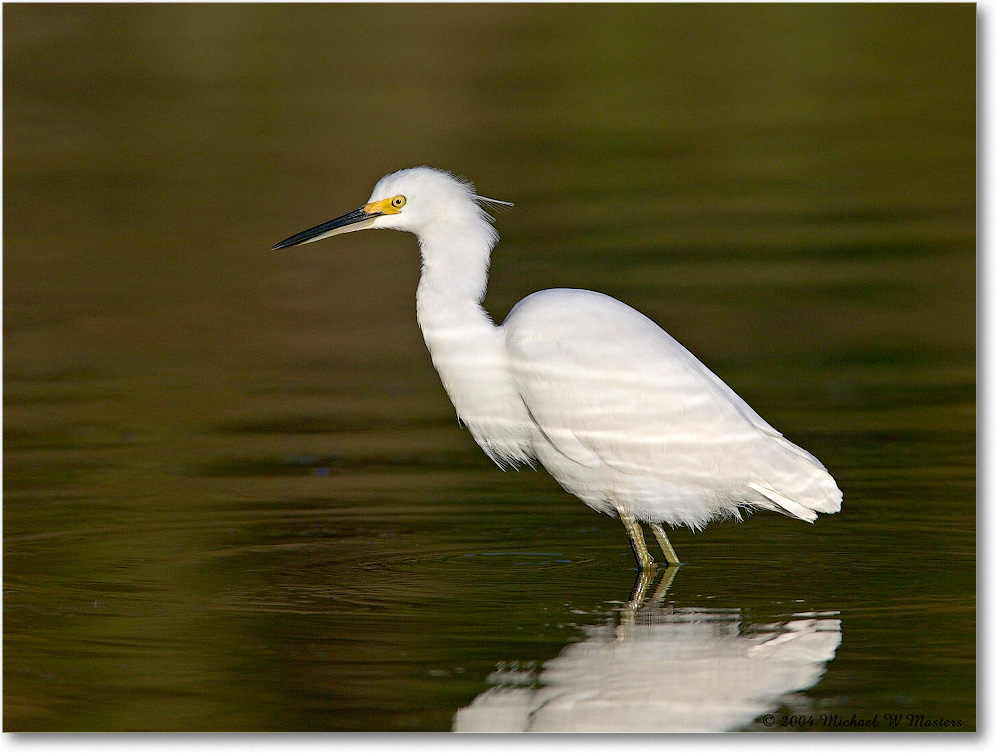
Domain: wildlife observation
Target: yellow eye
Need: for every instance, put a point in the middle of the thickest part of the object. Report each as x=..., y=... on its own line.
x=398, y=201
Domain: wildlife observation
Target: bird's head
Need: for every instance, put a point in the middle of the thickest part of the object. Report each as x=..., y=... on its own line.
x=420, y=200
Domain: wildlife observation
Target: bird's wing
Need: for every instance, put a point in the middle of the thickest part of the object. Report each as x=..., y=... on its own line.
x=608, y=386
x=627, y=404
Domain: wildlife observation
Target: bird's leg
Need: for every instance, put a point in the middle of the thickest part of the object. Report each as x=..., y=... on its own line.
x=634, y=530
x=661, y=538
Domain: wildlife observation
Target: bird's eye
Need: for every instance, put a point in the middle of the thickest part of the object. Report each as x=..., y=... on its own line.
x=398, y=201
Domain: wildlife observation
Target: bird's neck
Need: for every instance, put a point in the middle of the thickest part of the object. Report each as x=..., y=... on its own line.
x=468, y=349
x=454, y=265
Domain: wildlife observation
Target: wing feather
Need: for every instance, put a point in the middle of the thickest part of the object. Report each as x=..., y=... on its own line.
x=607, y=386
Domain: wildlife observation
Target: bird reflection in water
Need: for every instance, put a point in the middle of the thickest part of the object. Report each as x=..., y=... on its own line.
x=660, y=669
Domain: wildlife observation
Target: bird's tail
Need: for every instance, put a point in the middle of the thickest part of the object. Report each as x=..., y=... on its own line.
x=827, y=503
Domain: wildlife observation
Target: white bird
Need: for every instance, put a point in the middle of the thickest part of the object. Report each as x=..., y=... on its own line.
x=620, y=414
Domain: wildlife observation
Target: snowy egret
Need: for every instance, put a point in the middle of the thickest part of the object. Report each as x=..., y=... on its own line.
x=621, y=415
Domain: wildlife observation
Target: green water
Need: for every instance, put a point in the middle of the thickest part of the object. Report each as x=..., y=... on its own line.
x=235, y=494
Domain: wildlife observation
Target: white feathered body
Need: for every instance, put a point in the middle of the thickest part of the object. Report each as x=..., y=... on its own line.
x=615, y=409
x=628, y=419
